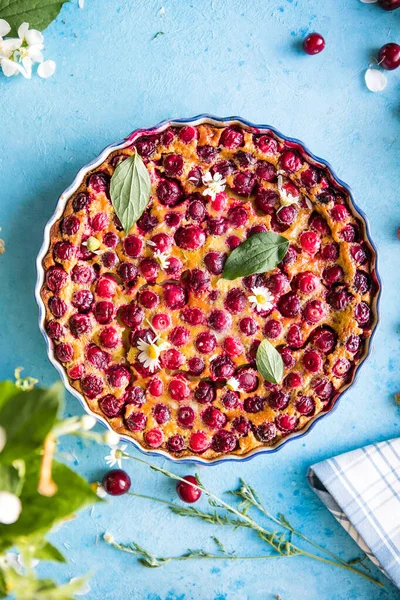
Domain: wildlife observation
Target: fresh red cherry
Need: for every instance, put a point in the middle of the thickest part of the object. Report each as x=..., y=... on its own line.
x=116, y=482
x=187, y=492
x=314, y=43
x=389, y=4
x=389, y=56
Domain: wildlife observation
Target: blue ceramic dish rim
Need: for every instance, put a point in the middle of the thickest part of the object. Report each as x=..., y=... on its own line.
x=199, y=119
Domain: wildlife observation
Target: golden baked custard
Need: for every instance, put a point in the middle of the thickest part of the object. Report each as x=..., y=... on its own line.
x=159, y=343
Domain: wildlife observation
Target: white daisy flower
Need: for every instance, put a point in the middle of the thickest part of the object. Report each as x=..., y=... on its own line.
x=149, y=354
x=10, y=560
x=162, y=258
x=214, y=185
x=10, y=508
x=233, y=384
x=262, y=298
x=115, y=458
x=286, y=198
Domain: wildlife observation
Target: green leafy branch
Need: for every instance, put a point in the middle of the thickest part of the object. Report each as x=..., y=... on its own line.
x=280, y=543
x=36, y=491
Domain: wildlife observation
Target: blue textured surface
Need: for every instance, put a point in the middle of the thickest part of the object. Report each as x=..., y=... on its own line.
x=224, y=57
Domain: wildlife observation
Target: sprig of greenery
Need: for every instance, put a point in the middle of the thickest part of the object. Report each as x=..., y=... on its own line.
x=46, y=490
x=280, y=542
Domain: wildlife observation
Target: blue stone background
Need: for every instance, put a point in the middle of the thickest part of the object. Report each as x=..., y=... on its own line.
x=224, y=57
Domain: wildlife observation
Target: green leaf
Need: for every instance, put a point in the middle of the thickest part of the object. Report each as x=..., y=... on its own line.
x=8, y=389
x=260, y=253
x=38, y=13
x=10, y=481
x=49, y=552
x=269, y=362
x=37, y=412
x=130, y=190
x=3, y=586
x=40, y=513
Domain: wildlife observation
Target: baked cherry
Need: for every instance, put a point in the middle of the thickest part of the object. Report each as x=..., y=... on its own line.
x=131, y=315
x=196, y=211
x=91, y=385
x=179, y=336
x=254, y=404
x=173, y=165
x=206, y=342
x=323, y=388
x=169, y=192
x=155, y=388
x=97, y=357
x=54, y=330
x=265, y=432
x=80, y=324
x=174, y=296
x=233, y=346
x=222, y=368
x=362, y=313
x=154, y=437
x=224, y=441
x=248, y=326
x=273, y=329
x=172, y=359
x=310, y=242
x=134, y=394
x=243, y=183
x=148, y=298
x=231, y=138
x=103, y=312
x=314, y=311
x=64, y=352
x=161, y=413
x=332, y=275
x=186, y=492
x=289, y=305
x=111, y=406
x=290, y=161
x=294, y=336
x=219, y=320
x=306, y=282
x=136, y=421
x=190, y=237
x=218, y=226
x=241, y=425
x=185, y=416
x=305, y=405
x=187, y=134
x=116, y=482
x=192, y=316
x=266, y=144
x=176, y=443
x=235, y=301
x=278, y=400
x=293, y=380
x=265, y=200
x=118, y=376
x=230, y=400
x=314, y=43
x=286, y=423
x=99, y=222
x=205, y=392
x=161, y=321
x=83, y=274
x=214, y=262
x=56, y=278
x=312, y=361
x=81, y=201
x=199, y=441
x=323, y=339
x=133, y=246
x=196, y=366
x=197, y=280
x=109, y=338
x=106, y=287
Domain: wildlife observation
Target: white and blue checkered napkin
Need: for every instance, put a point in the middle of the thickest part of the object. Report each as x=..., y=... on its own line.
x=362, y=491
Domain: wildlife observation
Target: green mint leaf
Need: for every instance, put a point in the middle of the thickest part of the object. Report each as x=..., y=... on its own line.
x=3, y=585
x=40, y=513
x=38, y=13
x=37, y=412
x=269, y=362
x=260, y=253
x=130, y=190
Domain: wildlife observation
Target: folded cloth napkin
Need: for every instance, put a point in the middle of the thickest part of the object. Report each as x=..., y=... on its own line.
x=362, y=491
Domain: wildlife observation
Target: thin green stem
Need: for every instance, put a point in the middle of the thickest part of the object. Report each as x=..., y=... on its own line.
x=267, y=536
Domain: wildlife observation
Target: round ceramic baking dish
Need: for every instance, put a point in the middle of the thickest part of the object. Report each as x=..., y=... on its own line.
x=218, y=122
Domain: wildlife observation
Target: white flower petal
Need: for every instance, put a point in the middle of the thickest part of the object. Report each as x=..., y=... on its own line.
x=23, y=30
x=100, y=491
x=46, y=69
x=34, y=37
x=34, y=562
x=109, y=538
x=3, y=438
x=84, y=589
x=11, y=44
x=10, y=508
x=9, y=67
x=34, y=52
x=375, y=80
x=26, y=70
x=81, y=3
x=368, y=1
x=4, y=28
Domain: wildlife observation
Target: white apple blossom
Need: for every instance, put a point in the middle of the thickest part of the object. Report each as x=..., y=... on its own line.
x=111, y=438
x=10, y=508
x=18, y=55
x=214, y=184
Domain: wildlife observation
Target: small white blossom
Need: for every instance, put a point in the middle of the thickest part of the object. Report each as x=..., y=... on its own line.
x=10, y=560
x=115, y=458
x=88, y=422
x=375, y=80
x=151, y=243
x=162, y=258
x=285, y=197
x=109, y=538
x=10, y=508
x=3, y=438
x=214, y=185
x=111, y=438
x=149, y=354
x=18, y=55
x=33, y=563
x=262, y=299
x=81, y=3
x=233, y=384
x=84, y=589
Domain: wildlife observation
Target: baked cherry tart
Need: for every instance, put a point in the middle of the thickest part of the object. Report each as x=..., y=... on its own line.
x=209, y=289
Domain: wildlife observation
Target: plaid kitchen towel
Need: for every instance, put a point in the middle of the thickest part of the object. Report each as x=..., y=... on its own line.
x=362, y=491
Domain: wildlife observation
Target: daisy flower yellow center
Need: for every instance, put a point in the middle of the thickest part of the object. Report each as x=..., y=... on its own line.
x=149, y=352
x=262, y=299
x=152, y=351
